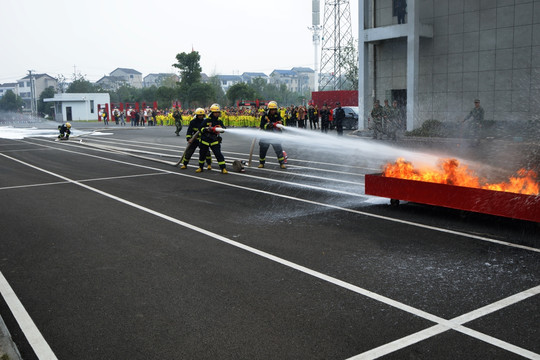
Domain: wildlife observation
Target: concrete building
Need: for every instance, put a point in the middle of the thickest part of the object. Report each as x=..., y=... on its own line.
x=448, y=53
x=248, y=77
x=8, y=86
x=227, y=81
x=287, y=77
x=41, y=82
x=73, y=106
x=158, y=79
x=306, y=78
x=111, y=82
x=298, y=79
x=129, y=76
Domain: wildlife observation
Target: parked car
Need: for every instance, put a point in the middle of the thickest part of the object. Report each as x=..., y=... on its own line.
x=351, y=117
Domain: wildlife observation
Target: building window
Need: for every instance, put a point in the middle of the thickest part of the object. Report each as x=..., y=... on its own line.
x=91, y=106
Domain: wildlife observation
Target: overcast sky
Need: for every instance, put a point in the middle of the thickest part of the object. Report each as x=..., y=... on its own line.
x=98, y=36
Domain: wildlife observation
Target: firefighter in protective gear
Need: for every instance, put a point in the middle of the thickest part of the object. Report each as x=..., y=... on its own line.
x=269, y=122
x=177, y=115
x=194, y=128
x=210, y=139
x=65, y=131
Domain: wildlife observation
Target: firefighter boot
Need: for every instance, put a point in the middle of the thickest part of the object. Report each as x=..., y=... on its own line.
x=209, y=167
x=224, y=171
x=199, y=170
x=260, y=166
x=183, y=167
x=282, y=166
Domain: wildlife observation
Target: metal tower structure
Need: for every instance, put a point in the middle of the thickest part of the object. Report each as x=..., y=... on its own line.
x=337, y=41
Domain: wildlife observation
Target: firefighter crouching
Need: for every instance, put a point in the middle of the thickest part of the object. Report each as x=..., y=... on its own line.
x=210, y=139
x=194, y=130
x=65, y=131
x=269, y=122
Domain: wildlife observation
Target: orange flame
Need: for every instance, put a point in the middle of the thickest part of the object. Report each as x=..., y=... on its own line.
x=452, y=173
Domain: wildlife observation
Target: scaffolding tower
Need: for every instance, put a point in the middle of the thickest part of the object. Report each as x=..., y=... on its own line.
x=337, y=44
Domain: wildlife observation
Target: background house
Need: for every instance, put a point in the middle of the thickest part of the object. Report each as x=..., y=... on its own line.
x=227, y=81
x=129, y=76
x=158, y=79
x=111, y=82
x=287, y=77
x=41, y=82
x=8, y=86
x=248, y=77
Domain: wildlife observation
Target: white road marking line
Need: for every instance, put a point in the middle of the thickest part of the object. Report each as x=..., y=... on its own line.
x=383, y=299
x=335, y=207
x=83, y=180
x=31, y=332
x=462, y=319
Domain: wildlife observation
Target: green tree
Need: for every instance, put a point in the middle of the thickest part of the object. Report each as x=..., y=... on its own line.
x=82, y=85
x=125, y=94
x=46, y=108
x=219, y=94
x=201, y=94
x=349, y=61
x=165, y=96
x=241, y=91
x=149, y=93
x=11, y=102
x=190, y=69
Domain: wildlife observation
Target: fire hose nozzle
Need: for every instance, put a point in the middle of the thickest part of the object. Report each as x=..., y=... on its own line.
x=215, y=129
x=280, y=126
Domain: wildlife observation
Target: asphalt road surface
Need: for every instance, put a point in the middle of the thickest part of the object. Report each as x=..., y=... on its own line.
x=108, y=251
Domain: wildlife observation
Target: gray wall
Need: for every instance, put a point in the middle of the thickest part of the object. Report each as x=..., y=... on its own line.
x=487, y=49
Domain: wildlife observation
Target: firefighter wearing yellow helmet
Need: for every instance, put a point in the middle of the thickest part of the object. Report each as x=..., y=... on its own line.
x=193, y=137
x=65, y=131
x=210, y=139
x=270, y=122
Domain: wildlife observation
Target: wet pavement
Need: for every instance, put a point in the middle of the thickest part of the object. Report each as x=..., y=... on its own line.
x=114, y=253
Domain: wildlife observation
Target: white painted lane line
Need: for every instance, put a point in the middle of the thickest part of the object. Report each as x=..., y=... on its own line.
x=462, y=319
x=32, y=185
x=498, y=305
x=83, y=180
x=335, y=207
x=400, y=343
x=383, y=299
x=31, y=332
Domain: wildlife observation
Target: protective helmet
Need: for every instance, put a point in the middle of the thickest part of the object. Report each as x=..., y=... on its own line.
x=215, y=108
x=68, y=125
x=200, y=111
x=272, y=105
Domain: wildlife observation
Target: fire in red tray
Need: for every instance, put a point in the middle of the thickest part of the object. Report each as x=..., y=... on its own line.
x=452, y=173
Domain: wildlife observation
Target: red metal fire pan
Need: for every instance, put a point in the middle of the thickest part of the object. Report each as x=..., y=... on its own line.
x=499, y=203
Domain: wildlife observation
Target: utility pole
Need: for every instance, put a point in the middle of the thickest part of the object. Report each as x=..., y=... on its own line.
x=33, y=100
